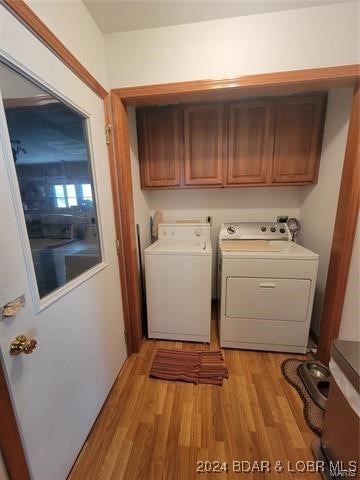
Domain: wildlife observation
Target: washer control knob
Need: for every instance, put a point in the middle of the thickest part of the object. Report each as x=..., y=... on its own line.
x=198, y=232
x=273, y=229
x=231, y=230
x=282, y=230
x=263, y=229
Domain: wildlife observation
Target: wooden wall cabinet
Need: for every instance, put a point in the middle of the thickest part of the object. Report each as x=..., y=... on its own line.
x=297, y=139
x=204, y=144
x=159, y=146
x=266, y=141
x=250, y=142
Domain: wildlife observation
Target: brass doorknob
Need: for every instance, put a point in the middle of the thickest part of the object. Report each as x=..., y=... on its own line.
x=22, y=344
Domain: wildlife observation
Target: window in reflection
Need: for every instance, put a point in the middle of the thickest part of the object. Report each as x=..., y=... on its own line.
x=50, y=151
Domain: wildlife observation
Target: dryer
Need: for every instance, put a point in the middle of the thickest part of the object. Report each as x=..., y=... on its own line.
x=266, y=288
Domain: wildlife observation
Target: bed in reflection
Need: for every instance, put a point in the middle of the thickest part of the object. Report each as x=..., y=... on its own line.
x=63, y=247
x=58, y=262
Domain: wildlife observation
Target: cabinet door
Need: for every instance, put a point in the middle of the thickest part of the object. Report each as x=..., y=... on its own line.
x=159, y=146
x=298, y=136
x=204, y=143
x=250, y=142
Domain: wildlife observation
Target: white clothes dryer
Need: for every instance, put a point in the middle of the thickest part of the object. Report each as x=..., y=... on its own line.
x=266, y=288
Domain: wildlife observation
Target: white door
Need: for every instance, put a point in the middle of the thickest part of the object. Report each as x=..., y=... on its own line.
x=75, y=314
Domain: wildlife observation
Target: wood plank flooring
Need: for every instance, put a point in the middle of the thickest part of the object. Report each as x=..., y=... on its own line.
x=151, y=429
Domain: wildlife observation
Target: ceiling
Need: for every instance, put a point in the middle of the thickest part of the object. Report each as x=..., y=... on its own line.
x=50, y=132
x=118, y=15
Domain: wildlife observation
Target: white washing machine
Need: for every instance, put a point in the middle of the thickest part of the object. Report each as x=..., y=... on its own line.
x=266, y=288
x=178, y=283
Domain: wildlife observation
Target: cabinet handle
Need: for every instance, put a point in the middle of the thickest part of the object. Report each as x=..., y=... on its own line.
x=267, y=285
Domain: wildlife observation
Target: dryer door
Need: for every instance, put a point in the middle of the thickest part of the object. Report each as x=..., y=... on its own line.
x=267, y=298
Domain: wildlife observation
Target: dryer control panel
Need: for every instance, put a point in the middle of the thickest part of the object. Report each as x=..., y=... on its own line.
x=184, y=231
x=255, y=231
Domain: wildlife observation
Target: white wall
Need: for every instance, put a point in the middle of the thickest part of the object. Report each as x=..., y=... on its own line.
x=288, y=40
x=140, y=197
x=226, y=205
x=71, y=22
x=350, y=321
x=319, y=202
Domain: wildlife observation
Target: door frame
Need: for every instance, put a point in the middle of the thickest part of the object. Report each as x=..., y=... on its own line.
x=121, y=178
x=204, y=90
x=343, y=237
x=11, y=445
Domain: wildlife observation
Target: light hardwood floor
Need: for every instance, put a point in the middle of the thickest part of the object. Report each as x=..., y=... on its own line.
x=150, y=429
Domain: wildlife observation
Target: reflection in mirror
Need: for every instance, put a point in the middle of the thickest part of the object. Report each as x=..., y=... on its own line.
x=50, y=150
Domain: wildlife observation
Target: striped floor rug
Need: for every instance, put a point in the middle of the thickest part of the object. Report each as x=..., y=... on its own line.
x=195, y=367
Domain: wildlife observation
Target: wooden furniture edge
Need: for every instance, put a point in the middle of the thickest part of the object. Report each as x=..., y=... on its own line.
x=10, y=441
x=31, y=21
x=319, y=78
x=343, y=237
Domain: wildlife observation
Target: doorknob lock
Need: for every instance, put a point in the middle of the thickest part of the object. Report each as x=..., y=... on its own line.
x=22, y=344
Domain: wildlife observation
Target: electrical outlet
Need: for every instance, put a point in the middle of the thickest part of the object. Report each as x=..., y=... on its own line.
x=282, y=218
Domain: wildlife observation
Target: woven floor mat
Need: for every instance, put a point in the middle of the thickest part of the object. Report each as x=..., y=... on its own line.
x=313, y=414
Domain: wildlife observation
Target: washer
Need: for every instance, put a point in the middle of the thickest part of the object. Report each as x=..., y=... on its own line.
x=266, y=288
x=178, y=283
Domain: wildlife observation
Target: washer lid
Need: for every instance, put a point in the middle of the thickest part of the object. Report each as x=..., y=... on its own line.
x=179, y=247
x=284, y=250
